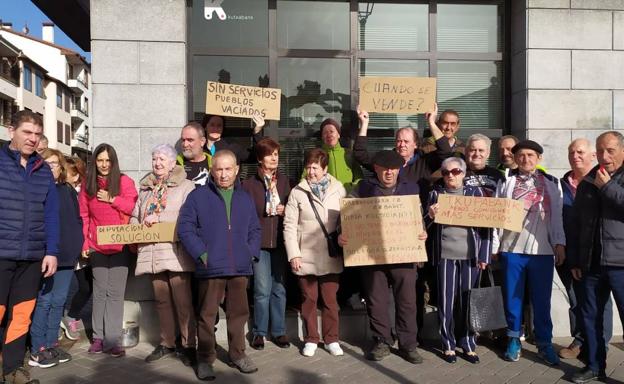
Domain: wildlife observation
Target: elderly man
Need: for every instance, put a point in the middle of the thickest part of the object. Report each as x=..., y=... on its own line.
x=479, y=174
x=527, y=256
x=29, y=236
x=219, y=228
x=581, y=156
x=598, y=256
x=195, y=161
x=449, y=125
x=402, y=277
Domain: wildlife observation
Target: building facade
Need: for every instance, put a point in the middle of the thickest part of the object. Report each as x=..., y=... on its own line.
x=547, y=70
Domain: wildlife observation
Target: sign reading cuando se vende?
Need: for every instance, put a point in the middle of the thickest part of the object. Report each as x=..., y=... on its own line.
x=242, y=101
x=401, y=95
x=136, y=233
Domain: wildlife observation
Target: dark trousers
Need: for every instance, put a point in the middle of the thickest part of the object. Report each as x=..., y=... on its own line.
x=598, y=288
x=402, y=278
x=576, y=296
x=78, y=299
x=455, y=280
x=19, y=286
x=328, y=286
x=172, y=292
x=210, y=292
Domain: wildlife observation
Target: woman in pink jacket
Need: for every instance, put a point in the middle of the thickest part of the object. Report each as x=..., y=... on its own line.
x=106, y=198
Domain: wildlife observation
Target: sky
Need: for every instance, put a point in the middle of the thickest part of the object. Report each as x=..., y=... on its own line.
x=20, y=12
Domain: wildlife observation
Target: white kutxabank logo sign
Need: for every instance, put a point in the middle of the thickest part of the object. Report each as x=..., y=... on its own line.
x=214, y=6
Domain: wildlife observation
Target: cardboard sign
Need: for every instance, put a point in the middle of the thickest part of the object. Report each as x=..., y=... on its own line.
x=401, y=95
x=136, y=233
x=382, y=230
x=489, y=212
x=242, y=101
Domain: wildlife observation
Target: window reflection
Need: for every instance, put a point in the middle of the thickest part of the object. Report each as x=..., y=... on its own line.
x=393, y=26
x=313, y=25
x=469, y=28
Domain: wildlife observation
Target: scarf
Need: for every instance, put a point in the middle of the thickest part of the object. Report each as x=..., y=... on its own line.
x=157, y=199
x=531, y=190
x=271, y=196
x=319, y=188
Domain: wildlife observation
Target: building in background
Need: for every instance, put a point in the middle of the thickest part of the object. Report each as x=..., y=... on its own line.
x=50, y=80
x=547, y=70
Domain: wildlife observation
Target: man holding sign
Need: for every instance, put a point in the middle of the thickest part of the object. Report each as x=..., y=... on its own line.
x=402, y=277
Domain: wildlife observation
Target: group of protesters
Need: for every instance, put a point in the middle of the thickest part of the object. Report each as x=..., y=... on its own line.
x=230, y=230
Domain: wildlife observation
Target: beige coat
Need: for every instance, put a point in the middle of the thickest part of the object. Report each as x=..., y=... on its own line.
x=302, y=232
x=159, y=257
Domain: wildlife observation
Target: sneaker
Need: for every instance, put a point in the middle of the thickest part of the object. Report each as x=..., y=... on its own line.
x=60, y=334
x=309, y=349
x=19, y=376
x=188, y=356
x=205, y=371
x=513, y=349
x=62, y=356
x=547, y=353
x=116, y=352
x=411, y=356
x=586, y=375
x=379, y=351
x=158, y=353
x=334, y=349
x=257, y=343
x=572, y=351
x=97, y=346
x=245, y=365
x=44, y=358
x=70, y=328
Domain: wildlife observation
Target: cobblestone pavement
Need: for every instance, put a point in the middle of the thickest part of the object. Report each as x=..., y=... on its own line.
x=289, y=366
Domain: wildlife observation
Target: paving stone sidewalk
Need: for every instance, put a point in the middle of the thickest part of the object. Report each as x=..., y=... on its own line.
x=289, y=366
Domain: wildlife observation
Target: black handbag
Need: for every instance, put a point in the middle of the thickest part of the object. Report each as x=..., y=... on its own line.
x=487, y=311
x=333, y=248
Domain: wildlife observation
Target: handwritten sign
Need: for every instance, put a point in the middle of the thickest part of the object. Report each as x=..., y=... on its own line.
x=489, y=212
x=382, y=230
x=402, y=95
x=136, y=233
x=242, y=101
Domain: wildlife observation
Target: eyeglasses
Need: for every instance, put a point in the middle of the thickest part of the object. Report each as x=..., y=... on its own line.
x=454, y=172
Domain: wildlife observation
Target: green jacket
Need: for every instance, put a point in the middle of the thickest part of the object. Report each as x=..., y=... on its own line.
x=342, y=166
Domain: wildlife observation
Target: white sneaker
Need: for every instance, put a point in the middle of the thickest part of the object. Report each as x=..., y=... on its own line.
x=334, y=349
x=309, y=349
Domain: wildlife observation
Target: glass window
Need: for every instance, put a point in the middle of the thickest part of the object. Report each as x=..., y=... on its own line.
x=59, y=96
x=469, y=28
x=67, y=101
x=67, y=134
x=313, y=25
x=59, y=132
x=39, y=84
x=246, y=24
x=27, y=78
x=474, y=90
x=394, y=26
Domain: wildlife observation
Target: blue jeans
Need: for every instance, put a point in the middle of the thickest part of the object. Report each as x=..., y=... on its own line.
x=49, y=309
x=269, y=293
x=538, y=271
x=598, y=288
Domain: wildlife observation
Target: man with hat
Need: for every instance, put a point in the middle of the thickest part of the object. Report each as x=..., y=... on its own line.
x=402, y=277
x=527, y=256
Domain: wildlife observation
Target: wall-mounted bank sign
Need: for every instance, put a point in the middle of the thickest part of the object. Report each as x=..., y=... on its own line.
x=214, y=6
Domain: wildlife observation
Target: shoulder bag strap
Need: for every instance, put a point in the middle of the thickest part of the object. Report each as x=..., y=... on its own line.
x=318, y=217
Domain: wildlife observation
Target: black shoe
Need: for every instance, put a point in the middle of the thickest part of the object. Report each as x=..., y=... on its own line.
x=472, y=359
x=205, y=372
x=188, y=356
x=379, y=351
x=158, y=353
x=451, y=359
x=586, y=375
x=411, y=356
x=257, y=343
x=281, y=341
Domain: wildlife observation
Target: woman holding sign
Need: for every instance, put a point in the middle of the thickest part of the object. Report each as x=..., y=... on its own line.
x=161, y=194
x=313, y=209
x=459, y=253
x=106, y=198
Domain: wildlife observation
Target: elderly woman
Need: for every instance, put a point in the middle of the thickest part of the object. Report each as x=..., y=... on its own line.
x=318, y=195
x=161, y=194
x=269, y=190
x=459, y=253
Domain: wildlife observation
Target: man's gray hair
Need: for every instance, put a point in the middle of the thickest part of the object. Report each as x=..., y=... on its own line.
x=454, y=160
x=616, y=134
x=479, y=137
x=165, y=149
x=223, y=153
x=582, y=140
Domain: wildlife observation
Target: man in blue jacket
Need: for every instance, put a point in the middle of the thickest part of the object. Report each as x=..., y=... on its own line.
x=219, y=228
x=29, y=236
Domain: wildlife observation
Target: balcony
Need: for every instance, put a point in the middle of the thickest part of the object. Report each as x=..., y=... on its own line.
x=78, y=114
x=78, y=85
x=8, y=89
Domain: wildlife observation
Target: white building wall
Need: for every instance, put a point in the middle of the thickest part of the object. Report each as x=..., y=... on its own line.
x=48, y=57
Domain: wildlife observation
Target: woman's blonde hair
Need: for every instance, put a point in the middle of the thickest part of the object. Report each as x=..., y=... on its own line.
x=49, y=152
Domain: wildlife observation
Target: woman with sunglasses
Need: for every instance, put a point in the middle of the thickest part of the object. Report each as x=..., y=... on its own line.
x=459, y=253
